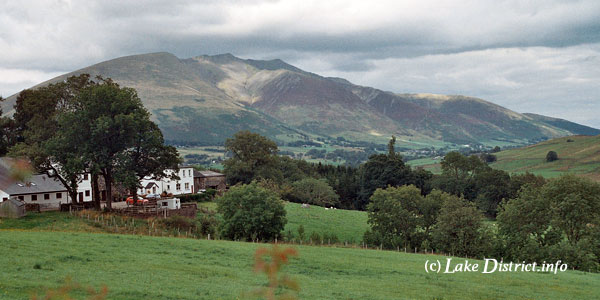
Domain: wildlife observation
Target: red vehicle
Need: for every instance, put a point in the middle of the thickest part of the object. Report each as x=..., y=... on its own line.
x=139, y=200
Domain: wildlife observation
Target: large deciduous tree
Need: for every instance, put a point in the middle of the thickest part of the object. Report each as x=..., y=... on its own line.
x=105, y=121
x=251, y=212
x=380, y=171
x=252, y=157
x=35, y=131
x=314, y=191
x=147, y=156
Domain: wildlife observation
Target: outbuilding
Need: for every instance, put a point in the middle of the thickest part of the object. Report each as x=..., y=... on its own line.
x=12, y=208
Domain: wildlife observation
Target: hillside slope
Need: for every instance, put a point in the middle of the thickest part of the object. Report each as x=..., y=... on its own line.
x=579, y=156
x=205, y=99
x=142, y=267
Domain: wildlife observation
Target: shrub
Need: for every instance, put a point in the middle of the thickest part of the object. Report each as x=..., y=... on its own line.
x=459, y=229
x=203, y=197
x=301, y=232
x=551, y=156
x=179, y=223
x=208, y=225
x=315, y=237
x=314, y=191
x=330, y=238
x=251, y=212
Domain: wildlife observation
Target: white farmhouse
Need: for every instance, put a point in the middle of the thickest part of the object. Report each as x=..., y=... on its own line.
x=184, y=185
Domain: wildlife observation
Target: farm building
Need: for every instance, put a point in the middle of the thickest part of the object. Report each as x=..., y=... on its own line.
x=48, y=192
x=209, y=179
x=12, y=208
x=183, y=185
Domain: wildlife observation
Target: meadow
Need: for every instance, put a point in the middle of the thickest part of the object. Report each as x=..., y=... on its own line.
x=142, y=267
x=577, y=155
x=347, y=225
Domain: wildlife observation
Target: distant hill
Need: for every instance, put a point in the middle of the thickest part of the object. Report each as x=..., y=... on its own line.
x=205, y=99
x=577, y=155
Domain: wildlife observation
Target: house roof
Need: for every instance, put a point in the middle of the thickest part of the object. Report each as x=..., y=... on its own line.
x=150, y=184
x=36, y=184
x=207, y=174
x=14, y=202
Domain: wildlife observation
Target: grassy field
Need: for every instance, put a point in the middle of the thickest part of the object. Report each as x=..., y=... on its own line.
x=581, y=156
x=348, y=225
x=141, y=267
x=429, y=164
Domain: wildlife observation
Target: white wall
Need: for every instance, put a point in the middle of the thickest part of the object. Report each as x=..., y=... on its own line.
x=186, y=179
x=52, y=202
x=3, y=195
x=85, y=187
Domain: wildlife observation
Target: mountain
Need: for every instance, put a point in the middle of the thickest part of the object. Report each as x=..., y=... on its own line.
x=206, y=99
x=576, y=154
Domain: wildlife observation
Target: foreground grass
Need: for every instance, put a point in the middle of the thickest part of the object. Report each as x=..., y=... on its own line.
x=142, y=267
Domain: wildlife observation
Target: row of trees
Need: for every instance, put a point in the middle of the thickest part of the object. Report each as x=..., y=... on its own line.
x=82, y=126
x=254, y=157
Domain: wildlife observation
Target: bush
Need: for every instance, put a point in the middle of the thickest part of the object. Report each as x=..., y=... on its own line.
x=251, y=212
x=551, y=156
x=330, y=238
x=315, y=238
x=301, y=232
x=314, y=191
x=208, y=225
x=208, y=195
x=459, y=230
x=179, y=223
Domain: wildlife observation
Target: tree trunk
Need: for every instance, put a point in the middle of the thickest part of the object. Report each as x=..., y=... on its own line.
x=108, y=183
x=95, y=191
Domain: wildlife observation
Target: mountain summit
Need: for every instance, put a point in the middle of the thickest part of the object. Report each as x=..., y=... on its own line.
x=206, y=99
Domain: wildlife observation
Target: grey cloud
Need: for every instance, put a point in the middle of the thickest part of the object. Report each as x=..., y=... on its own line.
x=529, y=56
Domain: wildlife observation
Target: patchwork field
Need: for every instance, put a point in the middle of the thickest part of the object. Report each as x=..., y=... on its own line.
x=577, y=155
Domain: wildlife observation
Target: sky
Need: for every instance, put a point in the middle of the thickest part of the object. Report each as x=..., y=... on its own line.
x=529, y=56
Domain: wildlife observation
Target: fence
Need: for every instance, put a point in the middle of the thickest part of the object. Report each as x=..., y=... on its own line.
x=153, y=211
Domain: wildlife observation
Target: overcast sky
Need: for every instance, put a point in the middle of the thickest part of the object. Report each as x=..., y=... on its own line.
x=529, y=56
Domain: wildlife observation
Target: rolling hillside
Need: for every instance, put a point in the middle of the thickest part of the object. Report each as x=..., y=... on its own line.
x=142, y=267
x=579, y=156
x=206, y=99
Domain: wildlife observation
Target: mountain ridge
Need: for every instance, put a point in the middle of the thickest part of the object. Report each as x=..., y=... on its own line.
x=205, y=99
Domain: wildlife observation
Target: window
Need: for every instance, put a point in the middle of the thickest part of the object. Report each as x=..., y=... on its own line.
x=178, y=186
x=85, y=176
x=58, y=195
x=46, y=196
x=21, y=198
x=190, y=173
x=187, y=186
x=33, y=197
x=87, y=193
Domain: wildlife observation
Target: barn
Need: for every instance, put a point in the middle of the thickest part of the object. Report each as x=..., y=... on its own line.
x=209, y=179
